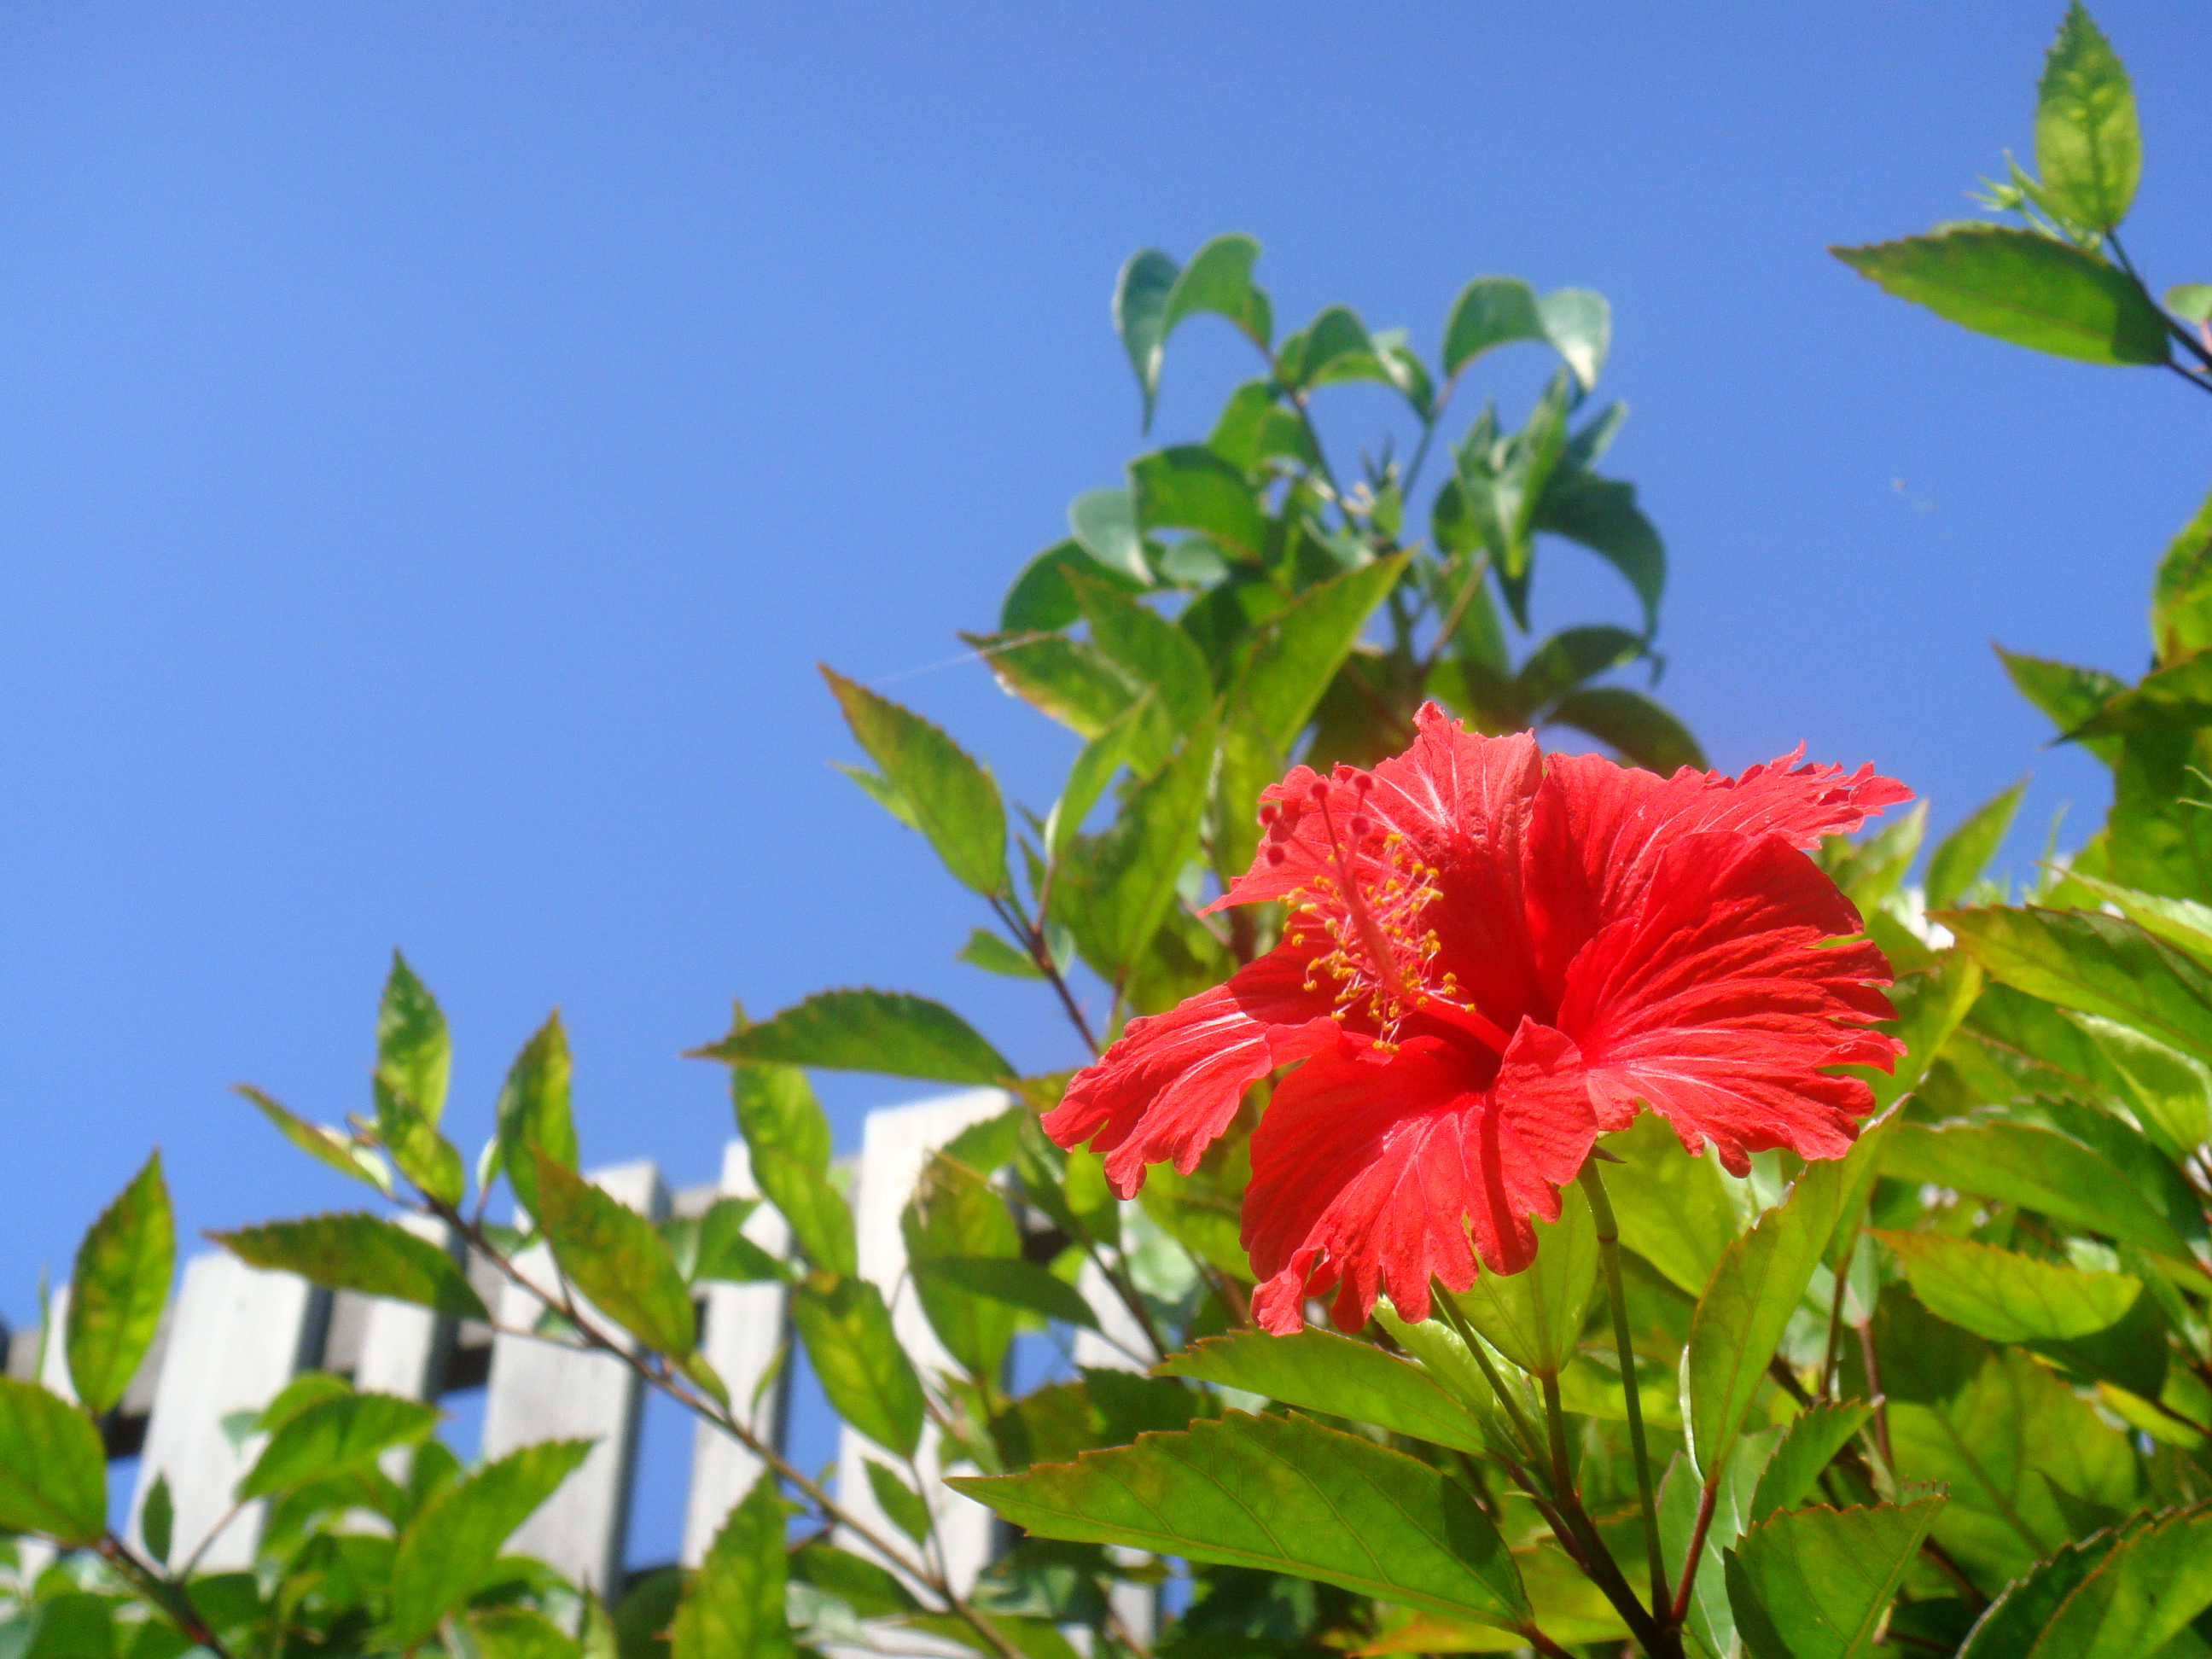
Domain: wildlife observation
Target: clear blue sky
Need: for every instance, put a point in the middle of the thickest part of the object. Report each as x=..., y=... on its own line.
x=441, y=441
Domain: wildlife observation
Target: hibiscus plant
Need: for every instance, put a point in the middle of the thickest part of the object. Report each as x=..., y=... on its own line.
x=1537, y=1200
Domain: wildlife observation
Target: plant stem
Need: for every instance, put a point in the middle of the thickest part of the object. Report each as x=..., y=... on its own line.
x=1706, y=1499
x=1608, y=1247
x=166, y=1593
x=1652, y=1628
x=1466, y=1334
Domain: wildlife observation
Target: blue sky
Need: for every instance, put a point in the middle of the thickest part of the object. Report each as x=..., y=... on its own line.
x=440, y=442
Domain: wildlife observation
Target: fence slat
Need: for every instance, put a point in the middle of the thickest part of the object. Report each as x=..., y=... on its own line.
x=240, y=1335
x=895, y=1145
x=745, y=1327
x=403, y=1345
x=540, y=1391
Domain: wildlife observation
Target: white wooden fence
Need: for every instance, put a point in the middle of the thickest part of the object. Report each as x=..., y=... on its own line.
x=235, y=1335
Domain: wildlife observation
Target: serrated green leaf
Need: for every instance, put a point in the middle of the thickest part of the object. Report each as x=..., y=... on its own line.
x=2022, y=287
x=2181, y=601
x=955, y=801
x=2094, y=965
x=867, y=1376
x=890, y=1032
x=1755, y=1288
x=533, y=1112
x=617, y=1258
x=414, y=1052
x=2069, y=695
x=117, y=1289
x=519, y=1633
x=2035, y=1166
x=1299, y=652
x=1159, y=657
x=1533, y=1316
x=332, y=1436
x=2113, y=1596
x=444, y=1551
x=327, y=1145
x=986, y=951
x=1491, y=311
x=956, y=1213
x=2087, y=147
x=1284, y=1495
x=724, y=1252
x=1809, y=1444
x=1673, y=1207
x=53, y=1474
x=1068, y=680
x=899, y=1501
x=1116, y=886
x=788, y=1140
x=2007, y=1297
x=735, y=1601
x=1962, y=855
x=1815, y=1584
x=1012, y=1283
x=356, y=1252
x=2170, y=1093
x=1322, y=1372
x=1189, y=487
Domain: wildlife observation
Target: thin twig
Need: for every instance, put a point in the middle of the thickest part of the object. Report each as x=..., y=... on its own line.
x=166, y=1593
x=1608, y=1245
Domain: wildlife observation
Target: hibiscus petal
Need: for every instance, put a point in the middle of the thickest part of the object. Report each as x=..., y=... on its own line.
x=1450, y=792
x=1715, y=1003
x=1371, y=1173
x=1170, y=1084
x=1599, y=831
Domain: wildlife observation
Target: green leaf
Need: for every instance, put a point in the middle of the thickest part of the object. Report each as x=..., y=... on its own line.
x=1140, y=303
x=1132, y=739
x=414, y=1053
x=2007, y=1297
x=954, y=799
x=1631, y=722
x=617, y=1258
x=157, y=1521
x=532, y=1113
x=734, y=1603
x=519, y=1633
x=1335, y=346
x=1602, y=514
x=956, y=1212
x=1322, y=1372
x=115, y=1292
x=1579, y=325
x=2191, y=301
x=1681, y=1496
x=1069, y=680
x=2019, y=1450
x=1815, y=1584
x=2071, y=696
x=356, y=1252
x=2035, y=1166
x=325, y=1144
x=2087, y=147
x=2023, y=287
x=1809, y=1443
x=862, y=1031
x=1105, y=525
x=1116, y=886
x=788, y=1140
x=1963, y=855
x=870, y=1381
x=1673, y=1207
x=1219, y=278
x=1013, y=1283
x=1491, y=311
x=1157, y=656
x=334, y=1436
x=986, y=951
x=1756, y=1288
x=424, y=1157
x=2094, y=965
x=1191, y=488
x=1041, y=599
x=725, y=1253
x=1284, y=1495
x=53, y=1474
x=2181, y=602
x=899, y=1501
x=444, y=1551
x=2172, y=1094
x=2110, y=1597
x=1299, y=652
x=1533, y=1316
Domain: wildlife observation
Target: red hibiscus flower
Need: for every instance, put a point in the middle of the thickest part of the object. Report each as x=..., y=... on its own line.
x=1491, y=958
